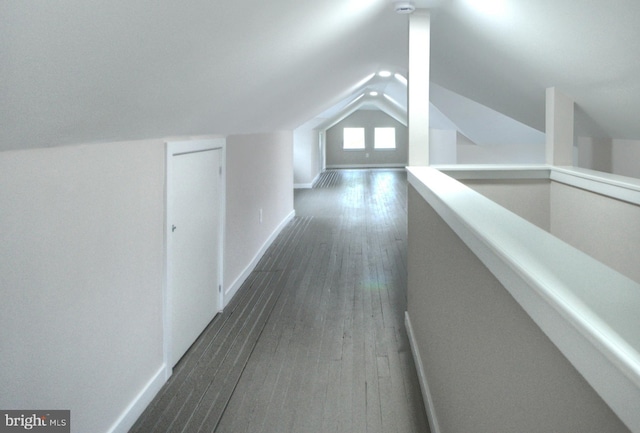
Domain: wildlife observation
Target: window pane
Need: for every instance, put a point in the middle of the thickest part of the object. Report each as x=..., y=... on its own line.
x=385, y=138
x=353, y=138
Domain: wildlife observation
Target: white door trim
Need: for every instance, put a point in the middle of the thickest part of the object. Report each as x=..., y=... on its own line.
x=174, y=148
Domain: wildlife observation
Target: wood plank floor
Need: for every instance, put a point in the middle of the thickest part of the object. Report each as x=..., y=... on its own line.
x=314, y=341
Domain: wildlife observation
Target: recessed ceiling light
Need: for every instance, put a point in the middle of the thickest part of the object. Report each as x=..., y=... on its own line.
x=401, y=78
x=384, y=74
x=404, y=7
x=374, y=93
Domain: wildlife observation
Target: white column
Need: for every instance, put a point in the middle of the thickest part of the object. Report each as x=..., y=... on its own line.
x=559, y=128
x=418, y=87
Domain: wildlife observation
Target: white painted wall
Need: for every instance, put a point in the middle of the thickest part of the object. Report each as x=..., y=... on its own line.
x=594, y=154
x=488, y=365
x=606, y=228
x=527, y=198
x=527, y=153
x=625, y=158
x=603, y=227
x=368, y=119
x=306, y=157
x=259, y=176
x=442, y=146
x=81, y=274
x=82, y=268
x=617, y=156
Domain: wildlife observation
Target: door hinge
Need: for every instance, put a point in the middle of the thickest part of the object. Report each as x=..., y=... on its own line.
x=220, y=171
x=219, y=288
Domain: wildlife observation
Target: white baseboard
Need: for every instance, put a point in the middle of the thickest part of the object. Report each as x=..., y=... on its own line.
x=307, y=185
x=142, y=400
x=424, y=386
x=230, y=291
x=343, y=166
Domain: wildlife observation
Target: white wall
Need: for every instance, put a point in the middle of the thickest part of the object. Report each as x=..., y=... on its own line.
x=501, y=154
x=81, y=272
x=625, y=158
x=527, y=198
x=259, y=176
x=442, y=146
x=617, y=156
x=306, y=157
x=606, y=228
x=488, y=365
x=368, y=119
x=603, y=227
x=82, y=268
x=594, y=154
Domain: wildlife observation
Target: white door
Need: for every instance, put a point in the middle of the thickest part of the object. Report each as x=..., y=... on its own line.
x=194, y=223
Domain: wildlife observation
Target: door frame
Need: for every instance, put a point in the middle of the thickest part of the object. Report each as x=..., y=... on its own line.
x=322, y=137
x=175, y=148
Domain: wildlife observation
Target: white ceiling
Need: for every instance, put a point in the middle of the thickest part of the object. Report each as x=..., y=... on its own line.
x=588, y=49
x=73, y=71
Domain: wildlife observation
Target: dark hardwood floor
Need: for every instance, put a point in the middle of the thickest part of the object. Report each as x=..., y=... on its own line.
x=314, y=341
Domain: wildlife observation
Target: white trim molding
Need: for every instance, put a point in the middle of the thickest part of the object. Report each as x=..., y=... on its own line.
x=611, y=185
x=142, y=400
x=303, y=185
x=607, y=184
x=493, y=172
x=346, y=166
x=307, y=185
x=588, y=310
x=422, y=378
x=230, y=291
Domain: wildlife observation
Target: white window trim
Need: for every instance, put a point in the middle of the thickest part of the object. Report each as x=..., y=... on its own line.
x=382, y=149
x=354, y=149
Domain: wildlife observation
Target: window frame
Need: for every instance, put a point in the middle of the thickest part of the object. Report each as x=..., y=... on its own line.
x=375, y=139
x=344, y=139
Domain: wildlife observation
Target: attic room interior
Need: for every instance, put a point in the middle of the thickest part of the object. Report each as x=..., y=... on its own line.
x=517, y=146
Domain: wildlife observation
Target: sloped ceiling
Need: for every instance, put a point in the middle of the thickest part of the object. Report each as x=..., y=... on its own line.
x=387, y=94
x=588, y=49
x=448, y=110
x=479, y=124
x=76, y=71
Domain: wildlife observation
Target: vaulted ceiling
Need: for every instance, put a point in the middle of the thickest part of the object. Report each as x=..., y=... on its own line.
x=77, y=71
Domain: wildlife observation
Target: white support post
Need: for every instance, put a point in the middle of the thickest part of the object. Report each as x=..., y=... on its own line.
x=559, y=128
x=418, y=87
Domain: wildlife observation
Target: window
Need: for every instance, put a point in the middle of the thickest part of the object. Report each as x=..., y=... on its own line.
x=353, y=138
x=385, y=138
